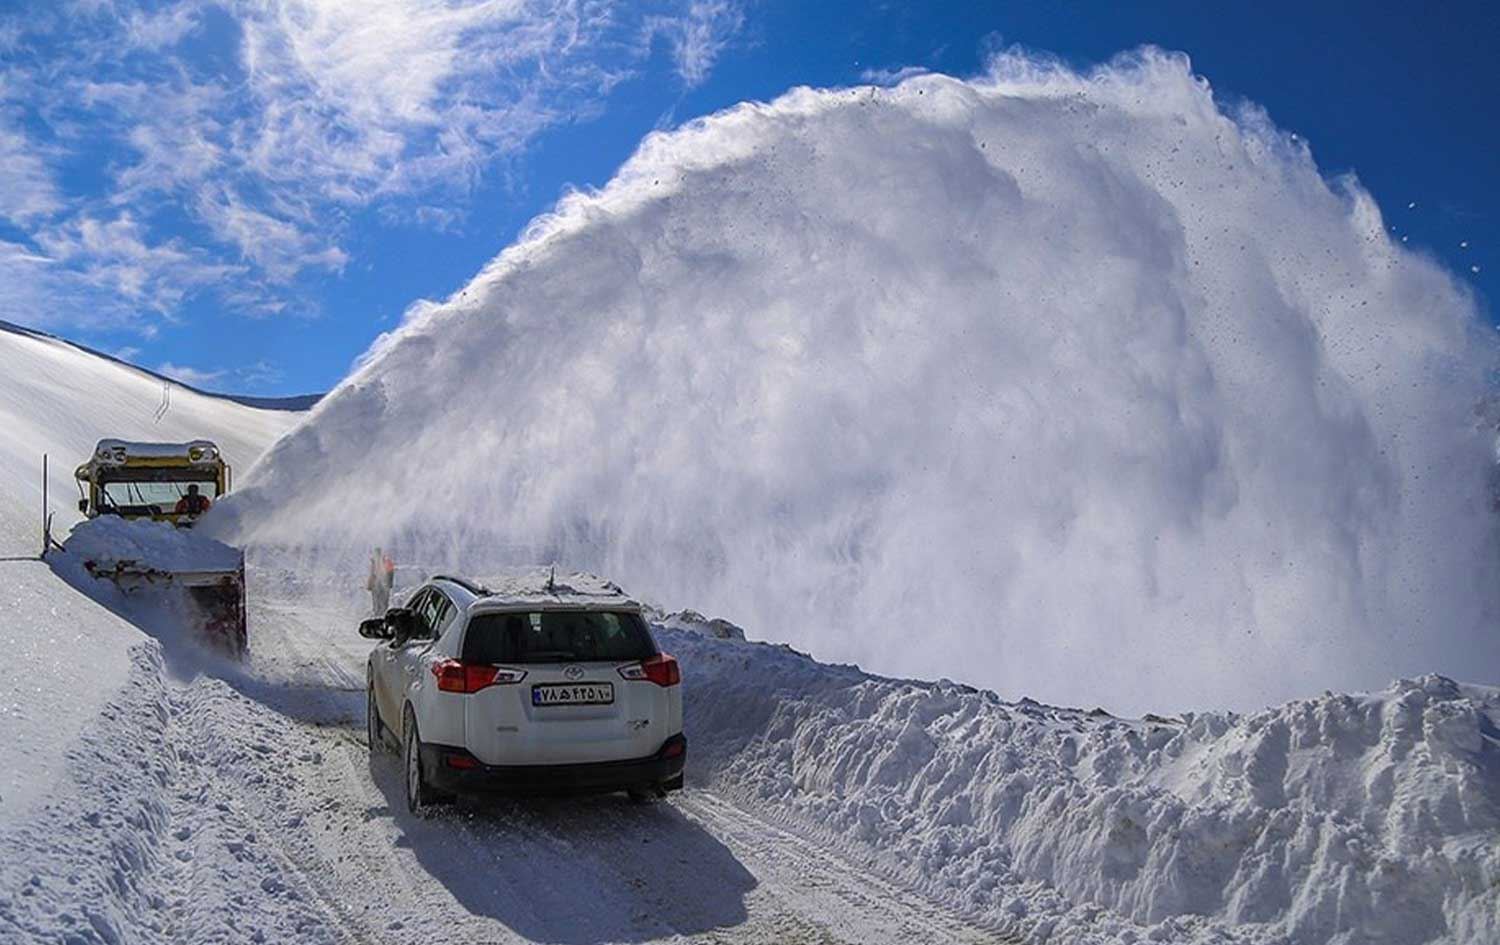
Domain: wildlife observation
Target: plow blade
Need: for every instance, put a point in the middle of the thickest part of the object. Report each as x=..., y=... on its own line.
x=216, y=598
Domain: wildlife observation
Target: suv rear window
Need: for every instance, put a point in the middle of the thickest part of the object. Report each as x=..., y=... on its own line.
x=556, y=636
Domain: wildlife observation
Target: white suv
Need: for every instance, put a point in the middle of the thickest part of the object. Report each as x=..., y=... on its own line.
x=543, y=685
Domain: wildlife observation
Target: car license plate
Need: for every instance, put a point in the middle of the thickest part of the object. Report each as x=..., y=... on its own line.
x=573, y=694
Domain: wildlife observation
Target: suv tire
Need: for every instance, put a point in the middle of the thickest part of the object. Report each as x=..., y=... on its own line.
x=419, y=794
x=374, y=728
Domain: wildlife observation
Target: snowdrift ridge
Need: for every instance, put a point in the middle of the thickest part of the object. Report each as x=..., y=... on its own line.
x=1346, y=818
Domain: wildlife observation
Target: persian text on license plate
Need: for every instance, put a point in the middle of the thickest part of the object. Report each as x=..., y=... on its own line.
x=573, y=694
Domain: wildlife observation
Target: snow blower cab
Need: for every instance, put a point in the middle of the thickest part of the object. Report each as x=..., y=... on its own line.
x=140, y=499
x=166, y=482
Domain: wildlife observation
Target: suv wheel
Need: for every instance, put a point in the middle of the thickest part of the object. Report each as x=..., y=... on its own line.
x=419, y=794
x=374, y=728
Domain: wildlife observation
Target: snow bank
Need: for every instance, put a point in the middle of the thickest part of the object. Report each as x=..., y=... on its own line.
x=64, y=656
x=1075, y=384
x=1371, y=818
x=80, y=868
x=109, y=540
x=149, y=838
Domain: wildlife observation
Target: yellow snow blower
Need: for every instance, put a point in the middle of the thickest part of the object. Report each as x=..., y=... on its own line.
x=172, y=484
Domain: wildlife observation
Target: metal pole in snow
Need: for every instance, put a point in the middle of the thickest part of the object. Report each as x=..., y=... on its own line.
x=46, y=532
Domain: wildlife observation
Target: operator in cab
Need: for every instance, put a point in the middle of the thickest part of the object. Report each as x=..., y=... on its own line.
x=194, y=503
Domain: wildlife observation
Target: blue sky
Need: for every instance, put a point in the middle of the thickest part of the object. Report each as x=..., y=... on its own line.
x=244, y=194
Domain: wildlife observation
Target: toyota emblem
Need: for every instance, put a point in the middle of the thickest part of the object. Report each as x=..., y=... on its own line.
x=573, y=672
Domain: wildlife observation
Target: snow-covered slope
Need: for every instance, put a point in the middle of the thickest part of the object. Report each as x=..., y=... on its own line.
x=59, y=399
x=1370, y=819
x=1094, y=388
x=66, y=655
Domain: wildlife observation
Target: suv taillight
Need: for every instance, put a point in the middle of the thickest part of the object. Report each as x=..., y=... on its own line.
x=661, y=669
x=453, y=676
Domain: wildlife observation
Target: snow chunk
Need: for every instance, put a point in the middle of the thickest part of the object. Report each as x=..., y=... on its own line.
x=541, y=586
x=135, y=449
x=694, y=622
x=110, y=540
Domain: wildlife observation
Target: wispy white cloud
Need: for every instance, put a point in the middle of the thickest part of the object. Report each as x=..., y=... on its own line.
x=118, y=257
x=28, y=190
x=388, y=98
x=160, y=29
x=10, y=35
x=195, y=377
x=40, y=290
x=27, y=279
x=235, y=169
x=278, y=247
x=256, y=376
x=170, y=131
x=698, y=37
x=260, y=375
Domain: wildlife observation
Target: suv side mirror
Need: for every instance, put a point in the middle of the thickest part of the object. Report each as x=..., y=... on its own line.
x=374, y=629
x=83, y=505
x=400, y=624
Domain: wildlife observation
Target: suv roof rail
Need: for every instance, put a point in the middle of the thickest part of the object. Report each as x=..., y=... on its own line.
x=478, y=590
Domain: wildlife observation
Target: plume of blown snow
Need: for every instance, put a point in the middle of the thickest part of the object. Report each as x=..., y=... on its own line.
x=1071, y=385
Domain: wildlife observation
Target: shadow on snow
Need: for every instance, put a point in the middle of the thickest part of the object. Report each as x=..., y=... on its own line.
x=574, y=871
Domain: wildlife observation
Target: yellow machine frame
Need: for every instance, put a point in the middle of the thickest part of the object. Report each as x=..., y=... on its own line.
x=200, y=456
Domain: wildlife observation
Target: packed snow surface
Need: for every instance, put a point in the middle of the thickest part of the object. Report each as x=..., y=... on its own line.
x=1079, y=386
x=109, y=540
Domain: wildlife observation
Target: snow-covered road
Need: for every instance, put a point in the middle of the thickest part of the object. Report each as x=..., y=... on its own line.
x=244, y=807
x=202, y=801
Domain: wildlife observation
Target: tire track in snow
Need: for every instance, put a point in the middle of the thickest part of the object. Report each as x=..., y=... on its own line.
x=286, y=646
x=816, y=880
x=256, y=838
